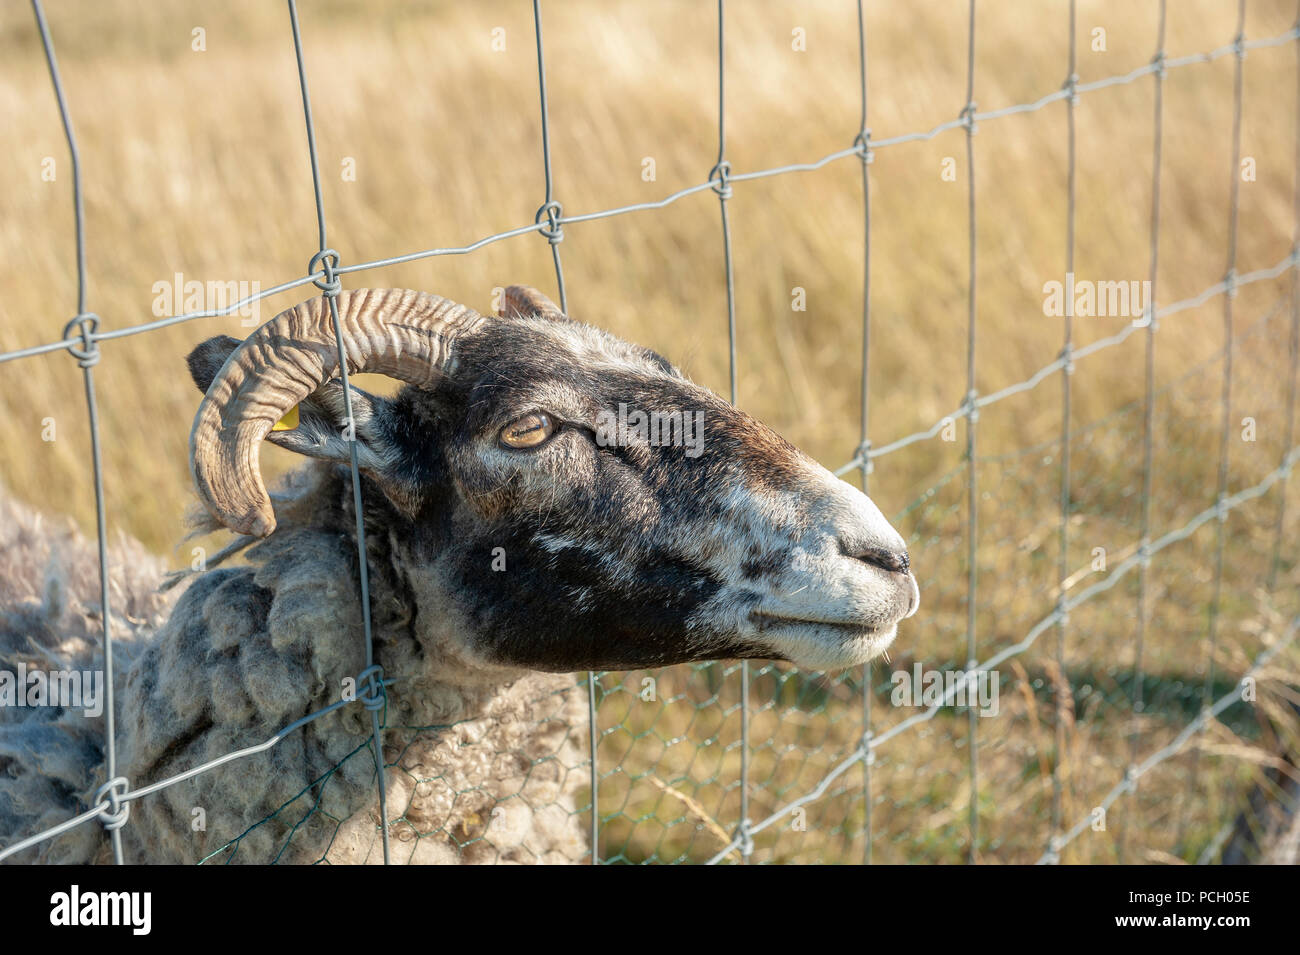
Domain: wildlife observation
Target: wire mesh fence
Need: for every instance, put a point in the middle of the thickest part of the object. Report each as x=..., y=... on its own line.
x=737, y=763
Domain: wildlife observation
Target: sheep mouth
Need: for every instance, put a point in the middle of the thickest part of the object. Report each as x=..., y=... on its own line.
x=817, y=643
x=858, y=628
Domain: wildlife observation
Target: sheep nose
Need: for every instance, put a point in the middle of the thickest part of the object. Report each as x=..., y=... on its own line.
x=894, y=561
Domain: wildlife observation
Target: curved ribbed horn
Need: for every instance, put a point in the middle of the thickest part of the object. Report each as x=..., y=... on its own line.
x=395, y=332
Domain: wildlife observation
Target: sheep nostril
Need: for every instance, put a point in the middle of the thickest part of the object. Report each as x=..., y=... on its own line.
x=893, y=561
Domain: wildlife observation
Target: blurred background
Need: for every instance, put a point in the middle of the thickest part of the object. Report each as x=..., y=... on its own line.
x=427, y=120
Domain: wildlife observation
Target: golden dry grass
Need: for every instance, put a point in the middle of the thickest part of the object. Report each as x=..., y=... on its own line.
x=195, y=163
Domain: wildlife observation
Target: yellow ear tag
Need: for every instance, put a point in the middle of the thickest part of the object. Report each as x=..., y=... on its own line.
x=288, y=422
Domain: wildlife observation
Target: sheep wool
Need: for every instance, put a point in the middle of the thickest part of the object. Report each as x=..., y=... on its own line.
x=476, y=772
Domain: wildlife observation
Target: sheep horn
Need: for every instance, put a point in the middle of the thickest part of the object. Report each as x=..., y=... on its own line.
x=396, y=332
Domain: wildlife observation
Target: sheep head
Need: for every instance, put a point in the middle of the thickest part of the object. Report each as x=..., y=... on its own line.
x=574, y=498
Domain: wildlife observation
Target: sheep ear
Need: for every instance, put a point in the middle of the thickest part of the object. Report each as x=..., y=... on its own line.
x=526, y=300
x=207, y=358
x=322, y=429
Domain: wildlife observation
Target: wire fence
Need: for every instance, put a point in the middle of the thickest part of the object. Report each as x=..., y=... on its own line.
x=82, y=335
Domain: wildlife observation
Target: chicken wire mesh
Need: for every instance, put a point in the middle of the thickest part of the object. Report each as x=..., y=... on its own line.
x=762, y=762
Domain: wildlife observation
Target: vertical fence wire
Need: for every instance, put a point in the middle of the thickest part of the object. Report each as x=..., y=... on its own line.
x=87, y=357
x=1225, y=395
x=972, y=418
x=1294, y=350
x=719, y=175
x=863, y=144
x=1064, y=693
x=592, y=740
x=552, y=211
x=373, y=696
x=1148, y=424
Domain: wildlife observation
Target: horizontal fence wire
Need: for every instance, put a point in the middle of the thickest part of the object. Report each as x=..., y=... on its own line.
x=852, y=151
x=1136, y=771
x=967, y=677
x=111, y=803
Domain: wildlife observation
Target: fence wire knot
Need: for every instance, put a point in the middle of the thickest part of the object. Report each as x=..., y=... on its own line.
x=116, y=813
x=370, y=686
x=868, y=754
x=1131, y=778
x=862, y=146
x=745, y=838
x=863, y=455
x=1071, y=85
x=1150, y=318
x=967, y=116
x=86, y=325
x=1158, y=61
x=552, y=212
x=1067, y=357
x=327, y=260
x=1230, y=283
x=1239, y=46
x=719, y=176
x=969, y=409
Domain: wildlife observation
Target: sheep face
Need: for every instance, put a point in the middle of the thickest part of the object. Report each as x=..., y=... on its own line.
x=574, y=502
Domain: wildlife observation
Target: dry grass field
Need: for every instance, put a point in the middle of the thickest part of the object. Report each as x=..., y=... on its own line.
x=195, y=162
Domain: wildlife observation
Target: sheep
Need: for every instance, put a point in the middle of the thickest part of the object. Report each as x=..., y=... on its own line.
x=533, y=507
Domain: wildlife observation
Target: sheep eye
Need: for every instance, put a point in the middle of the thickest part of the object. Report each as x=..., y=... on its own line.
x=529, y=431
